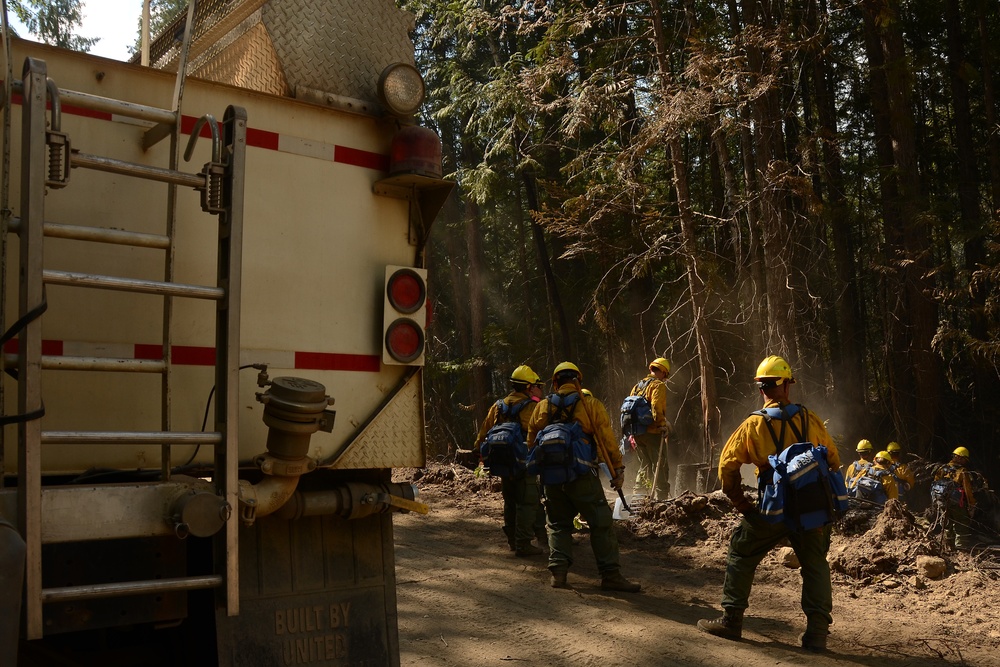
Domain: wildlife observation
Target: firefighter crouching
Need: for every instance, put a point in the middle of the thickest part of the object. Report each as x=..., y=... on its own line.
x=570, y=481
x=866, y=452
x=752, y=442
x=523, y=516
x=952, y=494
x=904, y=476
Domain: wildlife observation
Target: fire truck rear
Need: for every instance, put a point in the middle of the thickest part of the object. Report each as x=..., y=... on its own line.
x=213, y=303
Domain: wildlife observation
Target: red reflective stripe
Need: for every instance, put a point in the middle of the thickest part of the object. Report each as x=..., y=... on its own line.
x=255, y=137
x=52, y=348
x=262, y=139
x=328, y=361
x=360, y=158
x=144, y=351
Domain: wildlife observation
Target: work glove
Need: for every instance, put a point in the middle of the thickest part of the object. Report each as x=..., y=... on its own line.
x=618, y=481
x=746, y=508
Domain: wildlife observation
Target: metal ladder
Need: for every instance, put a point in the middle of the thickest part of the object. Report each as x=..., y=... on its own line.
x=221, y=185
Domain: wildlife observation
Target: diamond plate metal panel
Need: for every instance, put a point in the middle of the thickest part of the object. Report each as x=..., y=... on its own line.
x=394, y=439
x=249, y=62
x=334, y=46
x=338, y=47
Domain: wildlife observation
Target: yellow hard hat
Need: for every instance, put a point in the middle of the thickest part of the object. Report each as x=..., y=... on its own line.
x=864, y=446
x=526, y=375
x=567, y=366
x=660, y=363
x=961, y=451
x=773, y=371
x=884, y=455
x=893, y=447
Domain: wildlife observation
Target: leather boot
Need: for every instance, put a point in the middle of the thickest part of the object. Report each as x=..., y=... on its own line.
x=614, y=581
x=815, y=641
x=526, y=548
x=729, y=625
x=559, y=579
x=542, y=538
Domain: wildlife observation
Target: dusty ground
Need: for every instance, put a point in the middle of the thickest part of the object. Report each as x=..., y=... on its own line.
x=464, y=599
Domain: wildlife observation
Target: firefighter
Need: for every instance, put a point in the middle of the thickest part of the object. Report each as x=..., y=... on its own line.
x=647, y=445
x=583, y=495
x=858, y=468
x=952, y=493
x=754, y=537
x=904, y=476
x=882, y=471
x=523, y=515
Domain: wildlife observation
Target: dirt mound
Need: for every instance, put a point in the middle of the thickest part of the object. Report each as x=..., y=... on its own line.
x=452, y=479
x=687, y=519
x=890, y=546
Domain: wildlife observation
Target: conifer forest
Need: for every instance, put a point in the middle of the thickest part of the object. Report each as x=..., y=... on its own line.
x=715, y=181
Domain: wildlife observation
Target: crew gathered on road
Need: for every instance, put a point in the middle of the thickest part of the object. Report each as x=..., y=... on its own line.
x=549, y=451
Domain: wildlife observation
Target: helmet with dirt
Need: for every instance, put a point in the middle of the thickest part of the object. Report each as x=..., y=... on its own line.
x=566, y=371
x=661, y=364
x=893, y=447
x=864, y=445
x=961, y=451
x=773, y=371
x=524, y=375
x=884, y=457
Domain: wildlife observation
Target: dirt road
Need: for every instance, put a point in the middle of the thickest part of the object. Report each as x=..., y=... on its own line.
x=464, y=599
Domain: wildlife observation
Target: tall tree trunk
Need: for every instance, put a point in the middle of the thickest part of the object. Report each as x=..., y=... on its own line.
x=751, y=285
x=989, y=103
x=774, y=212
x=562, y=347
x=847, y=357
x=477, y=298
x=920, y=314
x=710, y=417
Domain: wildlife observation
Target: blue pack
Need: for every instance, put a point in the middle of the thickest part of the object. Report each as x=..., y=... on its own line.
x=562, y=451
x=504, y=451
x=798, y=488
x=862, y=468
x=636, y=412
x=870, y=487
x=946, y=491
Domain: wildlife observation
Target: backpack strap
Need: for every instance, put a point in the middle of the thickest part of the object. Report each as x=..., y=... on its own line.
x=561, y=408
x=785, y=418
x=508, y=412
x=640, y=388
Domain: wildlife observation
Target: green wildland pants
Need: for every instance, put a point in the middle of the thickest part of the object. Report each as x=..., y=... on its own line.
x=647, y=450
x=523, y=515
x=584, y=496
x=753, y=539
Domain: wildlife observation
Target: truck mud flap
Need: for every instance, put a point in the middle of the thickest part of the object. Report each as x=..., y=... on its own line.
x=314, y=591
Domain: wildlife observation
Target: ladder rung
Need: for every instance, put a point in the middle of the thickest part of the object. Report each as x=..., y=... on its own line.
x=98, y=234
x=111, y=364
x=111, y=165
x=75, y=279
x=96, y=591
x=131, y=437
x=108, y=105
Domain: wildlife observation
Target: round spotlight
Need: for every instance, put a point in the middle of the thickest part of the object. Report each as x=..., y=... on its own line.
x=401, y=89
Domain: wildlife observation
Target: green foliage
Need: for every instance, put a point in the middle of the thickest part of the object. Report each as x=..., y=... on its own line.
x=54, y=22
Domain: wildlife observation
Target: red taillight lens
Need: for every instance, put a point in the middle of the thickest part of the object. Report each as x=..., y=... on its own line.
x=404, y=340
x=406, y=291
